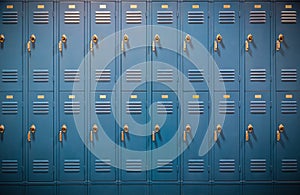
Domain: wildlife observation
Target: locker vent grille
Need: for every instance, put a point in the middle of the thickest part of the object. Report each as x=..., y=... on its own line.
x=227, y=165
x=164, y=165
x=40, y=17
x=10, y=17
x=288, y=17
x=103, y=165
x=72, y=107
x=72, y=17
x=103, y=75
x=133, y=107
x=258, y=107
x=134, y=17
x=196, y=107
x=103, y=17
x=133, y=165
x=164, y=107
x=227, y=75
x=71, y=75
x=10, y=75
x=196, y=75
x=258, y=17
x=40, y=166
x=40, y=75
x=289, y=165
x=196, y=17
x=103, y=107
x=258, y=75
x=165, y=75
x=134, y=75
x=71, y=165
x=289, y=75
x=196, y=165
x=9, y=166
x=9, y=107
x=227, y=17
x=258, y=165
x=164, y=17
x=40, y=107
x=226, y=107
x=289, y=107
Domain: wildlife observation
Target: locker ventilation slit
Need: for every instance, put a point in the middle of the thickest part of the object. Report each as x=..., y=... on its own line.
x=226, y=107
x=164, y=165
x=9, y=107
x=134, y=75
x=103, y=17
x=196, y=165
x=196, y=17
x=258, y=165
x=289, y=17
x=133, y=165
x=102, y=165
x=10, y=17
x=164, y=17
x=258, y=107
x=227, y=165
x=289, y=75
x=10, y=75
x=40, y=166
x=227, y=75
x=258, y=75
x=164, y=107
x=196, y=107
x=103, y=107
x=227, y=17
x=40, y=75
x=258, y=17
x=195, y=75
x=289, y=165
x=40, y=107
x=165, y=75
x=72, y=17
x=72, y=107
x=289, y=107
x=103, y=75
x=134, y=17
x=71, y=75
x=9, y=166
x=71, y=165
x=41, y=17
x=134, y=107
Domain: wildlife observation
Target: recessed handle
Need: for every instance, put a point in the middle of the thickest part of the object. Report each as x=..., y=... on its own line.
x=2, y=38
x=124, y=40
x=186, y=40
x=62, y=40
x=155, y=40
x=218, y=39
x=93, y=40
x=279, y=40
x=93, y=131
x=2, y=128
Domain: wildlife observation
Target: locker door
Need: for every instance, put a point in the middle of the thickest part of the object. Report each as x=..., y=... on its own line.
x=164, y=129
x=287, y=135
x=11, y=46
x=11, y=125
x=195, y=28
x=164, y=16
x=226, y=137
x=226, y=45
x=71, y=148
x=102, y=117
x=133, y=45
x=41, y=189
x=257, y=134
x=103, y=24
x=40, y=46
x=257, y=48
x=71, y=45
x=287, y=48
x=133, y=136
x=195, y=109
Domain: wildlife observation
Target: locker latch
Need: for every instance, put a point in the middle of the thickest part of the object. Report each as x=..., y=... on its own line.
x=125, y=130
x=63, y=40
x=249, y=40
x=279, y=41
x=2, y=38
x=32, y=40
x=279, y=131
x=218, y=39
x=62, y=131
x=2, y=128
x=186, y=40
x=156, y=130
x=124, y=40
x=249, y=130
x=217, y=132
x=155, y=40
x=93, y=131
x=186, y=131
x=32, y=130
x=93, y=40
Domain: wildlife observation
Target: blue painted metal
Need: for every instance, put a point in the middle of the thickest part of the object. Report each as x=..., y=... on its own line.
x=196, y=189
x=286, y=189
x=228, y=188
x=103, y=189
x=259, y=189
x=165, y=189
x=71, y=189
x=41, y=189
x=134, y=188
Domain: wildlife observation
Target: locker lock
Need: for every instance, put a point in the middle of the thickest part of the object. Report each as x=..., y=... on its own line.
x=32, y=38
x=124, y=40
x=280, y=38
x=186, y=40
x=64, y=38
x=32, y=128
x=250, y=128
x=281, y=128
x=64, y=128
x=155, y=40
x=279, y=41
x=219, y=38
x=94, y=130
x=2, y=128
x=250, y=38
x=126, y=128
x=2, y=38
x=156, y=128
x=93, y=40
x=219, y=128
x=188, y=128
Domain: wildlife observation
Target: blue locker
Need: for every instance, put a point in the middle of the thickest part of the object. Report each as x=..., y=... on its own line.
x=71, y=157
x=257, y=48
x=134, y=189
x=226, y=137
x=71, y=45
x=71, y=189
x=40, y=41
x=196, y=168
x=257, y=136
x=226, y=45
x=287, y=50
x=133, y=136
x=164, y=140
x=11, y=137
x=290, y=188
x=164, y=45
x=11, y=46
x=259, y=189
x=165, y=189
x=229, y=188
x=103, y=25
x=195, y=28
x=40, y=142
x=103, y=189
x=41, y=189
x=196, y=189
x=287, y=134
x=12, y=189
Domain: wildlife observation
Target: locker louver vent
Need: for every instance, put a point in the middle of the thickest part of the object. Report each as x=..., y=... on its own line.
x=40, y=107
x=289, y=17
x=134, y=17
x=103, y=17
x=164, y=17
x=40, y=75
x=226, y=107
x=72, y=17
x=103, y=107
x=227, y=17
x=41, y=17
x=72, y=107
x=258, y=17
x=134, y=75
x=71, y=75
x=103, y=165
x=196, y=17
x=133, y=165
x=9, y=107
x=134, y=107
x=227, y=165
x=196, y=107
x=103, y=75
x=164, y=75
x=196, y=165
x=40, y=166
x=289, y=107
x=9, y=166
x=289, y=165
x=289, y=75
x=10, y=75
x=258, y=75
x=258, y=107
x=10, y=17
x=227, y=75
x=71, y=165
x=164, y=107
x=258, y=165
x=164, y=165
x=196, y=75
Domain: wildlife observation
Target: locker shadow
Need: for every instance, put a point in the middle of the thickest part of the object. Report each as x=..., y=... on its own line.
x=1, y=45
x=221, y=136
x=2, y=136
x=252, y=136
x=187, y=50
x=187, y=142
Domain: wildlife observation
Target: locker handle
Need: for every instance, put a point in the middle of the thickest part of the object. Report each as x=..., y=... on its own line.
x=2, y=38
x=29, y=136
x=32, y=128
x=126, y=128
x=215, y=45
x=215, y=135
x=122, y=136
x=156, y=128
x=247, y=135
x=153, y=136
x=28, y=46
x=250, y=128
x=218, y=39
x=219, y=128
x=188, y=128
x=124, y=40
x=186, y=40
x=246, y=45
x=31, y=40
x=93, y=40
x=155, y=40
x=184, y=135
x=63, y=130
x=278, y=135
x=281, y=128
x=94, y=130
x=91, y=136
x=279, y=41
x=60, y=46
x=2, y=128
x=60, y=136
